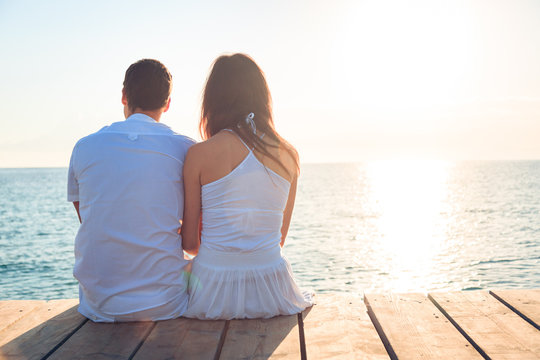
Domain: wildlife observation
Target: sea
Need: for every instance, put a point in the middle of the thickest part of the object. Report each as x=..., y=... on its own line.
x=401, y=226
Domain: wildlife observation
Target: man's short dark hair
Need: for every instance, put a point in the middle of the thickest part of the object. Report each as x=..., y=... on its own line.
x=147, y=85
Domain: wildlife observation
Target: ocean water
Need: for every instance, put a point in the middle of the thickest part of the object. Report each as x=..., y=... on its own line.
x=381, y=226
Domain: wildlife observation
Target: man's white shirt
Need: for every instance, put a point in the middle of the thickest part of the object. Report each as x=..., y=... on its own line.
x=129, y=261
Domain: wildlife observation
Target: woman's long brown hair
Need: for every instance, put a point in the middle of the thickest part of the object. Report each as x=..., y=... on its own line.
x=235, y=88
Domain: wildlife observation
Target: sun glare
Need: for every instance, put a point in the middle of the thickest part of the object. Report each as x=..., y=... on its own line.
x=408, y=197
x=403, y=54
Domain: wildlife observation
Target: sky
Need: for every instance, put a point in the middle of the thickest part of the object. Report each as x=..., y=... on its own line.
x=350, y=80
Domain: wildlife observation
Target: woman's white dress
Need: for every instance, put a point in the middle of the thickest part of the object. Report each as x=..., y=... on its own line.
x=239, y=271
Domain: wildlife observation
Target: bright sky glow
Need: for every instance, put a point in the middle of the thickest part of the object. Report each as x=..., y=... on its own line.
x=351, y=80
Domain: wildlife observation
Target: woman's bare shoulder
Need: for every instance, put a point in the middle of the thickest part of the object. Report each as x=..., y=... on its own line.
x=213, y=150
x=195, y=150
x=203, y=148
x=196, y=155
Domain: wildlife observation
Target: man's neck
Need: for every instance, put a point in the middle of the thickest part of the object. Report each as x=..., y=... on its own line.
x=154, y=114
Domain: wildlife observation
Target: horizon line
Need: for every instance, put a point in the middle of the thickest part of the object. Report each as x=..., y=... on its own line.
x=345, y=162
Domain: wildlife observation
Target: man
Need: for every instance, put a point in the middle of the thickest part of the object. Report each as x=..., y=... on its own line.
x=126, y=184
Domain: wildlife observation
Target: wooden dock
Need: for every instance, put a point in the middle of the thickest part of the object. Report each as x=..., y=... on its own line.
x=451, y=325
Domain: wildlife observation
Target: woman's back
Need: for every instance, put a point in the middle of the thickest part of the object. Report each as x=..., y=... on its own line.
x=246, y=198
x=242, y=210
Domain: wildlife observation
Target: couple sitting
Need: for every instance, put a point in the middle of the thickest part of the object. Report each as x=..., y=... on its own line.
x=131, y=183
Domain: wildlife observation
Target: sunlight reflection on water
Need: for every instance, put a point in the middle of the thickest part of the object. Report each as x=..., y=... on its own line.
x=408, y=198
x=417, y=226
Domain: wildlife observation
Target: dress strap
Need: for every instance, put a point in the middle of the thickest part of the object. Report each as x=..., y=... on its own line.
x=239, y=138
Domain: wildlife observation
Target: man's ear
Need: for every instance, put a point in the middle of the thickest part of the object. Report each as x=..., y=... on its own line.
x=167, y=106
x=124, y=98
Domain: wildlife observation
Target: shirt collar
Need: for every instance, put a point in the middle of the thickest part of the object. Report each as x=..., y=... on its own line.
x=141, y=117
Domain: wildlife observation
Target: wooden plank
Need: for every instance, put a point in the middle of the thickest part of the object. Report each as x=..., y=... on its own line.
x=525, y=303
x=104, y=341
x=411, y=327
x=338, y=327
x=38, y=333
x=493, y=327
x=44, y=312
x=13, y=310
x=183, y=339
x=273, y=338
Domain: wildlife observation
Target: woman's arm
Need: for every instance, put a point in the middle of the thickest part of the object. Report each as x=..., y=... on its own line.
x=287, y=213
x=192, y=202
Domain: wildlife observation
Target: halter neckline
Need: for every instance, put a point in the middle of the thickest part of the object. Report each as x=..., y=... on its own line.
x=239, y=138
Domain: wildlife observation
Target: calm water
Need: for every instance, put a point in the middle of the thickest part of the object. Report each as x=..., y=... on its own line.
x=401, y=226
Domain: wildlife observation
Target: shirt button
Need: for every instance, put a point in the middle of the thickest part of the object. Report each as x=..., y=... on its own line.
x=132, y=137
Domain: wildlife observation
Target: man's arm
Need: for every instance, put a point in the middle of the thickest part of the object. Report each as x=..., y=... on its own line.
x=76, y=204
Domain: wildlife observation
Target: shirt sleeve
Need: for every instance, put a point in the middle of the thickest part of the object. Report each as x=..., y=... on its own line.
x=72, y=183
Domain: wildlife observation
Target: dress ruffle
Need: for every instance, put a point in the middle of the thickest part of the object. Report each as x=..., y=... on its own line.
x=243, y=285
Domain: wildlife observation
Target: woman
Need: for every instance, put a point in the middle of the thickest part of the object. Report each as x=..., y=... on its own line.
x=242, y=181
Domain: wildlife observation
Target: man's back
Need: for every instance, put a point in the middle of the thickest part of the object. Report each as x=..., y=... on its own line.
x=129, y=261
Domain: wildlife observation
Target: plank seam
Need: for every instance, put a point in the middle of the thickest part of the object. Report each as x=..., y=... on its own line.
x=66, y=338
x=380, y=331
x=222, y=340
x=515, y=310
x=139, y=345
x=303, y=352
x=459, y=328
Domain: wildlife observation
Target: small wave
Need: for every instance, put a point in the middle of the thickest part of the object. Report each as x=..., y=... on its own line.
x=494, y=261
x=472, y=288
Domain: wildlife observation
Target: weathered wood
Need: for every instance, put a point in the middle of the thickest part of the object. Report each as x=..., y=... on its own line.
x=338, y=327
x=38, y=333
x=274, y=338
x=410, y=326
x=413, y=328
x=493, y=327
x=526, y=303
x=183, y=339
x=104, y=341
x=11, y=311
